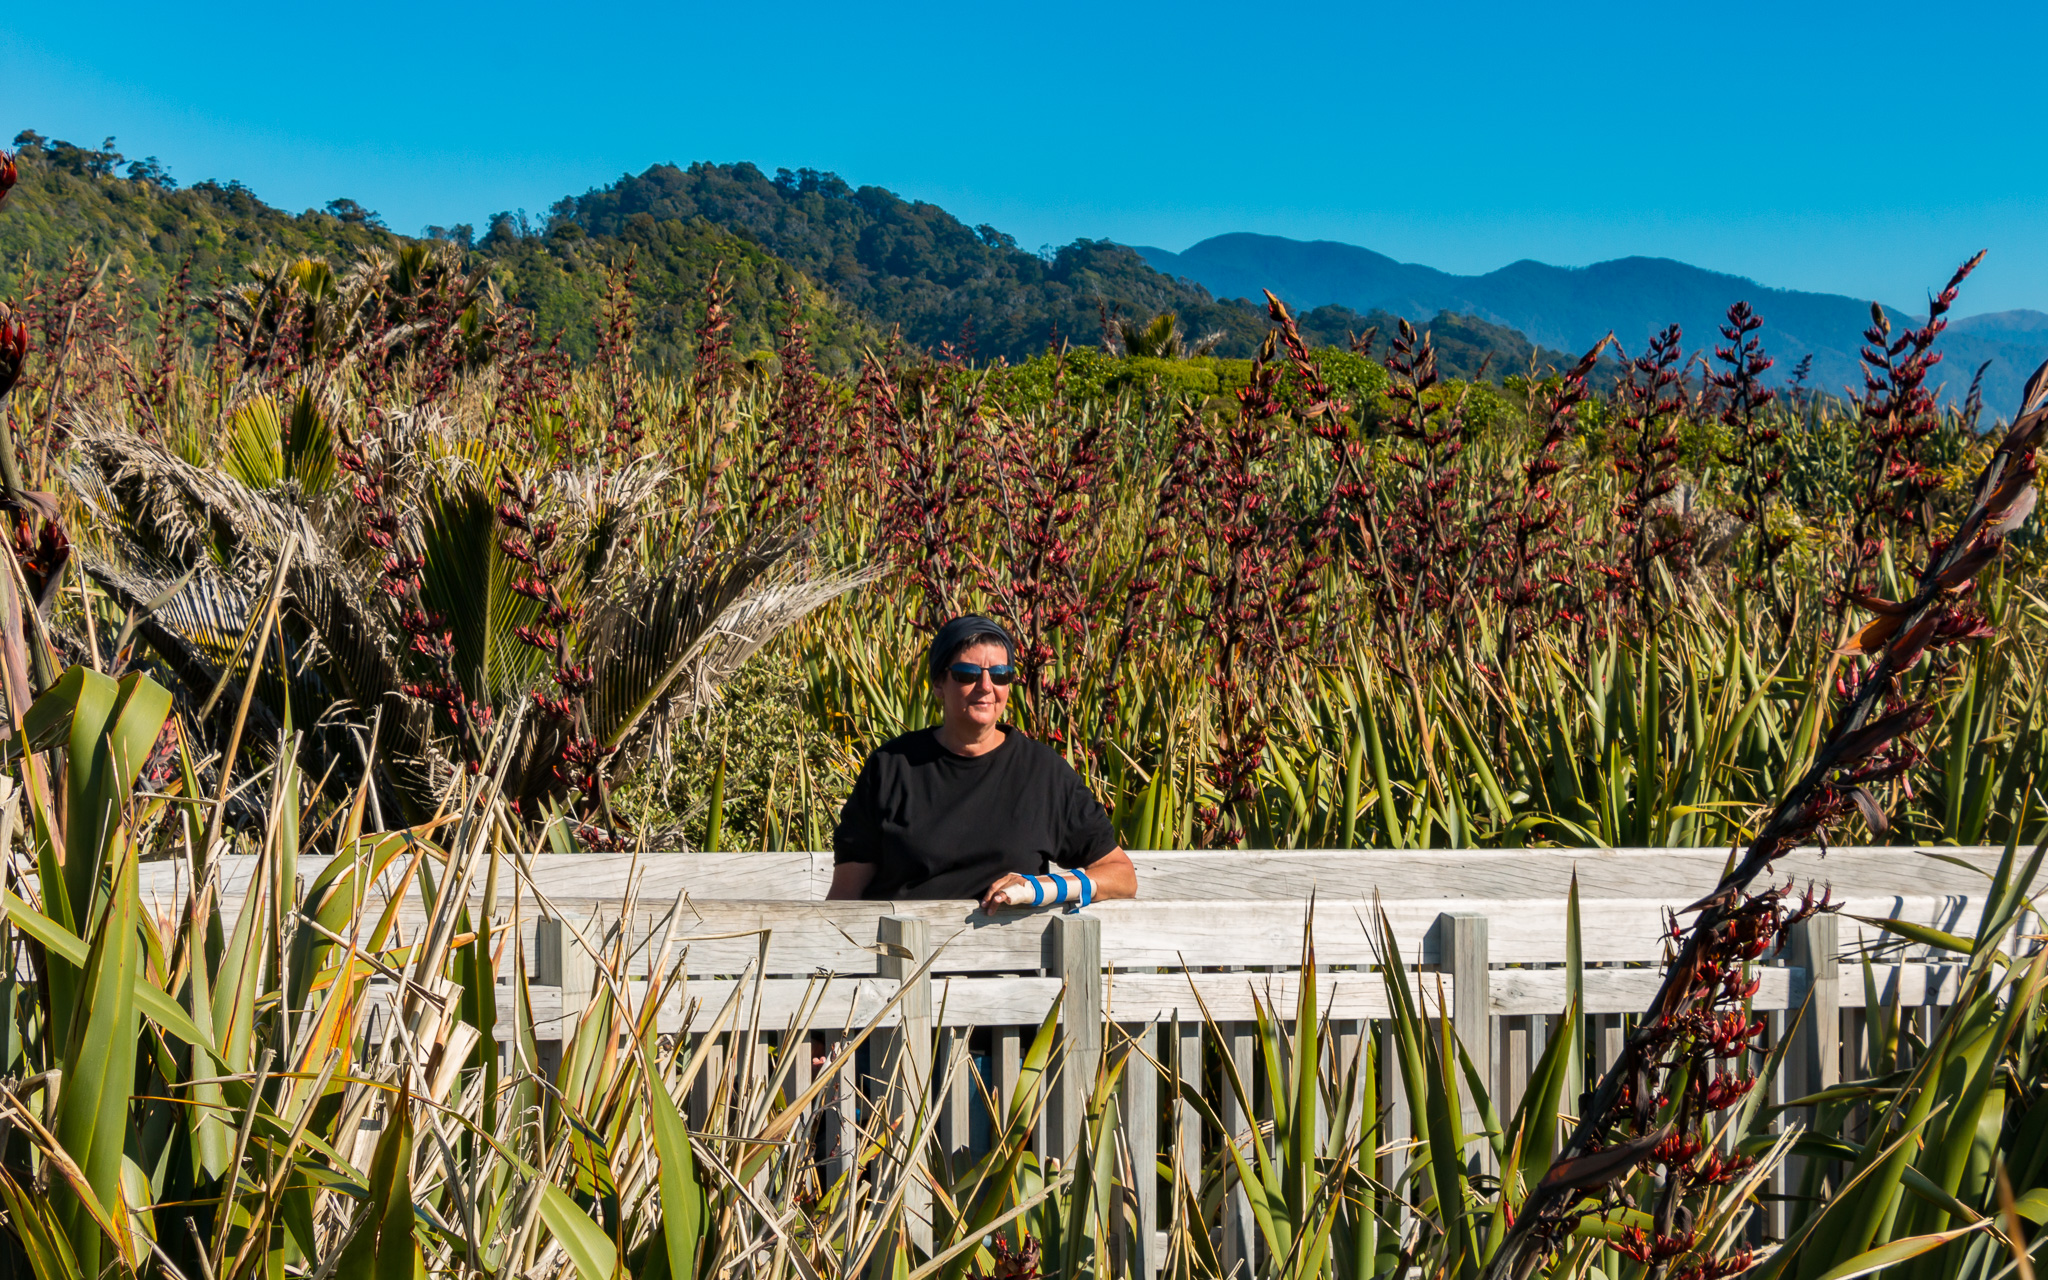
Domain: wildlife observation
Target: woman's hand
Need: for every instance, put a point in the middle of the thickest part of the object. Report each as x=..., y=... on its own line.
x=1010, y=891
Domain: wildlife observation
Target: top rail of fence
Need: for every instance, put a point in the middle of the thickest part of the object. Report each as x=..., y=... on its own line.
x=1281, y=874
x=763, y=910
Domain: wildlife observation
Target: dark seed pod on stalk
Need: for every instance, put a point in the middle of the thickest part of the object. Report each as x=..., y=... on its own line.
x=924, y=465
x=581, y=760
x=615, y=357
x=789, y=476
x=1430, y=540
x=1256, y=569
x=714, y=368
x=1040, y=484
x=426, y=632
x=1899, y=412
x=1649, y=403
x=1696, y=1018
x=1757, y=456
x=1532, y=529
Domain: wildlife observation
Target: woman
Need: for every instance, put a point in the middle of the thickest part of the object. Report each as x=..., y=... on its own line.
x=972, y=808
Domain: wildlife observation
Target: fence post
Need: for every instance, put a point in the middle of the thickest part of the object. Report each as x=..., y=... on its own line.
x=906, y=1061
x=1777, y=1209
x=1349, y=1032
x=709, y=1085
x=1074, y=955
x=1817, y=1045
x=1462, y=953
x=1512, y=1059
x=559, y=960
x=1815, y=1060
x=796, y=1051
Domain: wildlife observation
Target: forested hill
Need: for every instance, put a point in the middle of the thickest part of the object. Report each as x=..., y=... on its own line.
x=138, y=220
x=865, y=261
x=913, y=265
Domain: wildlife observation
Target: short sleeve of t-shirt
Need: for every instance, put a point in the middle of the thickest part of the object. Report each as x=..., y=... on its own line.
x=858, y=836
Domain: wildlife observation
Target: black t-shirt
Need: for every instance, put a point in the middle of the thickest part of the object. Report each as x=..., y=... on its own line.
x=939, y=825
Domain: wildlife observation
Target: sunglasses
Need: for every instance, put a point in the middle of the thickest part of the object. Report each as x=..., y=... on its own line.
x=968, y=673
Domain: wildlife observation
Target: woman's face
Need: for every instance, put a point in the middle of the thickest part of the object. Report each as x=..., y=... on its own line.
x=978, y=705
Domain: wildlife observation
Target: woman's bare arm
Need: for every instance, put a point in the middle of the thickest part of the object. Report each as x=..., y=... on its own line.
x=1114, y=876
x=851, y=879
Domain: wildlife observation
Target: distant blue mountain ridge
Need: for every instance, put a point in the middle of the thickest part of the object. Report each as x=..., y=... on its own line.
x=1571, y=308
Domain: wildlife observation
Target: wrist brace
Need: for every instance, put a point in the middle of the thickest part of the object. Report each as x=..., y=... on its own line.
x=1062, y=887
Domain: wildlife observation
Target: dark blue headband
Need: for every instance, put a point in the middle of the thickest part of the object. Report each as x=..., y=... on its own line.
x=957, y=634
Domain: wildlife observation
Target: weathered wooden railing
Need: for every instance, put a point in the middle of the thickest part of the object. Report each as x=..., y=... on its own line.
x=1483, y=933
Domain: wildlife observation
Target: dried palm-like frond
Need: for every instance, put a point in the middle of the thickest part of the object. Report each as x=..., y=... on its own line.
x=592, y=495
x=658, y=628
x=610, y=507
x=174, y=511
x=193, y=626
x=638, y=640
x=719, y=648
x=752, y=621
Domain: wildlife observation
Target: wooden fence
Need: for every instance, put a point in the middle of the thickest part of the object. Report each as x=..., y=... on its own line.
x=1482, y=932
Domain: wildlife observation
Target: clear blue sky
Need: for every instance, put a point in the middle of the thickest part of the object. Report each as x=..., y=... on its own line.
x=1854, y=148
